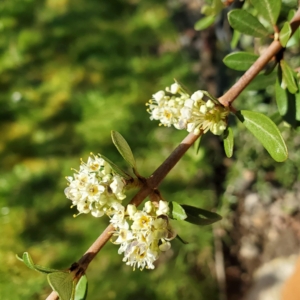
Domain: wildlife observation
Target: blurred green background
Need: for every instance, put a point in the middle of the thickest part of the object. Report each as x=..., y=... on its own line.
x=72, y=71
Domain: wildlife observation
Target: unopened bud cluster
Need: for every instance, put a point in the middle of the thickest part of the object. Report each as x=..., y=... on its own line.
x=176, y=107
x=95, y=188
x=142, y=234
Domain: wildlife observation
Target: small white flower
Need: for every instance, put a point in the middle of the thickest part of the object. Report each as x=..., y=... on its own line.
x=163, y=208
x=95, y=188
x=131, y=210
x=148, y=207
x=117, y=184
x=203, y=109
x=197, y=96
x=188, y=112
x=175, y=87
x=210, y=104
x=158, y=96
x=144, y=236
x=165, y=246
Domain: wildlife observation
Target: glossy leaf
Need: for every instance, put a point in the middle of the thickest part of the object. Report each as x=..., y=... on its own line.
x=176, y=211
x=288, y=78
x=229, y=142
x=246, y=23
x=81, y=288
x=63, y=284
x=200, y=216
x=269, y=9
x=240, y=61
x=266, y=132
x=204, y=22
x=26, y=258
x=116, y=168
x=123, y=148
x=285, y=34
x=281, y=98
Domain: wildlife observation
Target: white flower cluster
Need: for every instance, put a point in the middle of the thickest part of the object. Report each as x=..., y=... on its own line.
x=142, y=235
x=176, y=107
x=95, y=188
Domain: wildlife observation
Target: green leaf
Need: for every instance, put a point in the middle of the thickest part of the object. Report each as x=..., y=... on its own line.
x=295, y=39
x=197, y=144
x=123, y=148
x=276, y=118
x=269, y=68
x=266, y=132
x=176, y=211
x=235, y=39
x=204, y=22
x=297, y=102
x=240, y=61
x=261, y=81
x=81, y=288
x=195, y=215
x=229, y=142
x=291, y=14
x=241, y=20
x=181, y=240
x=288, y=78
x=285, y=34
x=269, y=9
x=27, y=260
x=63, y=284
x=290, y=116
x=116, y=168
x=281, y=98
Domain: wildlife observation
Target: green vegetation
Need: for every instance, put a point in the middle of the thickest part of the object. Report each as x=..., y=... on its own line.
x=72, y=71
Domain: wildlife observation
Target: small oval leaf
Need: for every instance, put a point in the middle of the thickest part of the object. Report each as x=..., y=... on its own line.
x=288, y=78
x=63, y=284
x=116, y=168
x=123, y=148
x=285, y=34
x=176, y=211
x=243, y=21
x=204, y=22
x=229, y=142
x=281, y=98
x=240, y=61
x=269, y=9
x=266, y=132
x=81, y=288
x=26, y=258
x=195, y=215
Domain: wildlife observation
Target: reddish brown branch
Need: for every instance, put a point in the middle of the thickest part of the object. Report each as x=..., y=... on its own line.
x=250, y=74
x=150, y=184
x=156, y=178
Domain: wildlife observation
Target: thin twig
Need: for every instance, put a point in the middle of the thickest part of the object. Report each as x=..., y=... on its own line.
x=260, y=63
x=150, y=184
x=156, y=178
